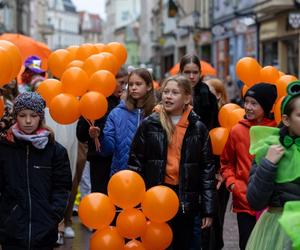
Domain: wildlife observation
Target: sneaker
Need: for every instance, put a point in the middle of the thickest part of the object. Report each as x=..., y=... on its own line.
x=69, y=232
x=60, y=239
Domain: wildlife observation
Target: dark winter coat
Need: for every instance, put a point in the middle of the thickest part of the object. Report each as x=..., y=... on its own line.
x=263, y=191
x=205, y=105
x=34, y=189
x=148, y=157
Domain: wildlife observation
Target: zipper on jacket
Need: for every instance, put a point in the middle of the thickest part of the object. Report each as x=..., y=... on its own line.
x=182, y=173
x=29, y=195
x=139, y=117
x=41, y=167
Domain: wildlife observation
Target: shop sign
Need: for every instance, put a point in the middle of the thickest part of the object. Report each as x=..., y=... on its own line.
x=294, y=20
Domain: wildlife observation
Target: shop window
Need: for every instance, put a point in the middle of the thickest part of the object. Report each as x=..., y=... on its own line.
x=270, y=53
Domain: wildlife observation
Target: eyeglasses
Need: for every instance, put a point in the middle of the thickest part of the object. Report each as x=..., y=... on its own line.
x=293, y=90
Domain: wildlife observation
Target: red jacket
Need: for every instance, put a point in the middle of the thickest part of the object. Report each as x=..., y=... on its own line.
x=236, y=162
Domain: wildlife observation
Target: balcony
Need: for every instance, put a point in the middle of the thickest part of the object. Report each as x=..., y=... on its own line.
x=273, y=6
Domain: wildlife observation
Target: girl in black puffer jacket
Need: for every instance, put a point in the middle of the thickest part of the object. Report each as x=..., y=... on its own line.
x=172, y=147
x=35, y=179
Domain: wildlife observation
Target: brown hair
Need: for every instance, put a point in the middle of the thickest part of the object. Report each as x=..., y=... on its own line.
x=185, y=86
x=122, y=72
x=187, y=59
x=149, y=99
x=219, y=87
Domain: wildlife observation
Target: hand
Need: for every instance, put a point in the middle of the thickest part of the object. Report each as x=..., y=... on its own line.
x=94, y=132
x=275, y=153
x=206, y=222
x=220, y=180
x=231, y=187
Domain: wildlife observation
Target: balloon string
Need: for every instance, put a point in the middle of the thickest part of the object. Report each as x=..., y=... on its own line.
x=96, y=140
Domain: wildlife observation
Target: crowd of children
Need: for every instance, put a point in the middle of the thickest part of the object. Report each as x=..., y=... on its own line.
x=165, y=138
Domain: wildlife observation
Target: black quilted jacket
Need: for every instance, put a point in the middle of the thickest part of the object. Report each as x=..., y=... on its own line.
x=148, y=156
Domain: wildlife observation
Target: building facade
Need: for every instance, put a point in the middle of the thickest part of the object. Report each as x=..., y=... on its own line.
x=90, y=27
x=66, y=21
x=235, y=34
x=122, y=26
x=279, y=35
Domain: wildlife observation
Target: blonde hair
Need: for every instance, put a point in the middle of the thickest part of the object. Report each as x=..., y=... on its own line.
x=149, y=99
x=185, y=86
x=219, y=87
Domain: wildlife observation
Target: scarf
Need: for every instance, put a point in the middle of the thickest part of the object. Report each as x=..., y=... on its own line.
x=261, y=138
x=39, y=140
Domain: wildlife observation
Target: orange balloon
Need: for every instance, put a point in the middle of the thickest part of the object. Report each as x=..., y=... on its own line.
x=160, y=204
x=15, y=56
x=73, y=50
x=100, y=47
x=48, y=89
x=157, y=236
x=107, y=239
x=277, y=109
x=131, y=223
x=103, y=81
x=235, y=116
x=126, y=189
x=58, y=60
x=74, y=81
x=101, y=61
x=282, y=84
x=75, y=63
x=224, y=114
x=134, y=245
x=6, y=67
x=96, y=210
x=86, y=50
x=1, y=106
x=244, y=90
x=248, y=71
x=93, y=105
x=269, y=74
x=118, y=50
x=64, y=108
x=156, y=85
x=218, y=138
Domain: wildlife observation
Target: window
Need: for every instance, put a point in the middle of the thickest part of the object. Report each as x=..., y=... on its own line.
x=270, y=53
x=292, y=56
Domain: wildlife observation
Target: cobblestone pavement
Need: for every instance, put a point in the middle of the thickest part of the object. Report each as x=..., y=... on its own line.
x=81, y=241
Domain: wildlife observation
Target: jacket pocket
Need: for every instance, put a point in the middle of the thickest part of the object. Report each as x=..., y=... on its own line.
x=10, y=223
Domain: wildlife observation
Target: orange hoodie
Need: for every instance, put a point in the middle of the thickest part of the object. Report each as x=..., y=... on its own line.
x=174, y=149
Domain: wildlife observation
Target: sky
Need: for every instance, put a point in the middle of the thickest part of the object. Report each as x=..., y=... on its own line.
x=92, y=6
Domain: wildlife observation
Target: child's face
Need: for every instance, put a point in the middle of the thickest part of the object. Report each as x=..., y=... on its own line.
x=137, y=87
x=191, y=71
x=253, y=110
x=121, y=86
x=28, y=121
x=293, y=121
x=173, y=99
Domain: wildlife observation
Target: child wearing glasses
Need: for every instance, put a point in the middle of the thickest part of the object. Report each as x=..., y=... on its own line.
x=275, y=173
x=235, y=158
